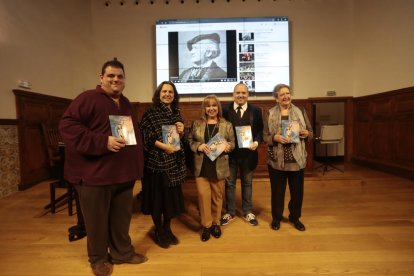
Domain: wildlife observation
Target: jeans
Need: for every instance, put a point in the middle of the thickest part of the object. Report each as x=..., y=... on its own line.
x=246, y=176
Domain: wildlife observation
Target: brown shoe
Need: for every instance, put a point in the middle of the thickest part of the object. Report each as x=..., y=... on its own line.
x=102, y=269
x=136, y=259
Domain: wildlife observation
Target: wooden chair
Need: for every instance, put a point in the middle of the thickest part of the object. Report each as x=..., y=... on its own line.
x=56, y=156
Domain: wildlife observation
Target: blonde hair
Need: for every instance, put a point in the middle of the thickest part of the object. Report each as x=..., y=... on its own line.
x=207, y=101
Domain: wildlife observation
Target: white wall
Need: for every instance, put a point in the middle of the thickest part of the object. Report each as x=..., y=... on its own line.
x=60, y=45
x=46, y=42
x=384, y=46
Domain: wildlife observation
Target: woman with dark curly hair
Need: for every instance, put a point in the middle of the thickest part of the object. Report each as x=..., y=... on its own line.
x=165, y=169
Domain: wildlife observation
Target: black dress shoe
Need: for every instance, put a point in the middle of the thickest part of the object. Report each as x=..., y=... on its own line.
x=298, y=225
x=77, y=232
x=161, y=239
x=275, y=224
x=205, y=234
x=215, y=231
x=172, y=239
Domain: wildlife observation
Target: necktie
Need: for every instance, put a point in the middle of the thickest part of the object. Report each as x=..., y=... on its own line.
x=239, y=111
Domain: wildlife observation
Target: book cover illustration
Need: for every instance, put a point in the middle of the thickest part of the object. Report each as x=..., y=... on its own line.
x=290, y=130
x=170, y=136
x=217, y=144
x=122, y=127
x=244, y=136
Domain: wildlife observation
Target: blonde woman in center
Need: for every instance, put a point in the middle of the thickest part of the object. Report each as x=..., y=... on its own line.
x=210, y=175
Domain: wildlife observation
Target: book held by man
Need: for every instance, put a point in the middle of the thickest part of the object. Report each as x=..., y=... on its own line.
x=244, y=136
x=122, y=127
x=170, y=136
x=217, y=144
x=290, y=130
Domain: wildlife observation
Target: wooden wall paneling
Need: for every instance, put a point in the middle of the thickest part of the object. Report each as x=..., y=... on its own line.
x=33, y=166
x=32, y=110
x=56, y=110
x=362, y=139
x=403, y=127
x=379, y=140
x=140, y=108
x=361, y=129
x=381, y=132
x=12, y=122
x=384, y=131
x=404, y=149
x=349, y=129
x=34, y=161
x=404, y=103
x=362, y=112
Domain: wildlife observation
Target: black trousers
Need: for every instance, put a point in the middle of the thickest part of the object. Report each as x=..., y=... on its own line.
x=278, y=180
x=107, y=211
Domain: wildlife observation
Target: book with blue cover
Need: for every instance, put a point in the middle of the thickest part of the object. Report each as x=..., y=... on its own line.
x=244, y=136
x=170, y=136
x=290, y=130
x=217, y=144
x=122, y=127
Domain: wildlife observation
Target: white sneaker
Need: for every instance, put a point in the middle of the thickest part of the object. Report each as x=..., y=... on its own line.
x=226, y=219
x=251, y=219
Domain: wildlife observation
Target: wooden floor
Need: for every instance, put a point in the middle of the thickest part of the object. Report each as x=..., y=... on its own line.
x=360, y=222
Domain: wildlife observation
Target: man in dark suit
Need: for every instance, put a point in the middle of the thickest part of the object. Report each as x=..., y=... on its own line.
x=241, y=113
x=203, y=50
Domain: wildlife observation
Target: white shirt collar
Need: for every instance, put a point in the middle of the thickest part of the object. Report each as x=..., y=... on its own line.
x=243, y=107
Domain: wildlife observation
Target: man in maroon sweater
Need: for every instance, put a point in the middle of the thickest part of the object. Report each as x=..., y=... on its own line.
x=103, y=168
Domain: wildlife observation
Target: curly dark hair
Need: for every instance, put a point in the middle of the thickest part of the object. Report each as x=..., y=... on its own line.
x=156, y=97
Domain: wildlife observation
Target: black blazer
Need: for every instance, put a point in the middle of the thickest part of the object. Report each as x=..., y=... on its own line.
x=256, y=123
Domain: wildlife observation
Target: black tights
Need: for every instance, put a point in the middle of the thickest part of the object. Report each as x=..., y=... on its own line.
x=159, y=224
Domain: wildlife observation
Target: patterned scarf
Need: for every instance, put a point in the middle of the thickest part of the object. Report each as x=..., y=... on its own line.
x=275, y=126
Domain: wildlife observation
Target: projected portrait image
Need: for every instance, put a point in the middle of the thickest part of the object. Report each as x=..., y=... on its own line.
x=202, y=57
